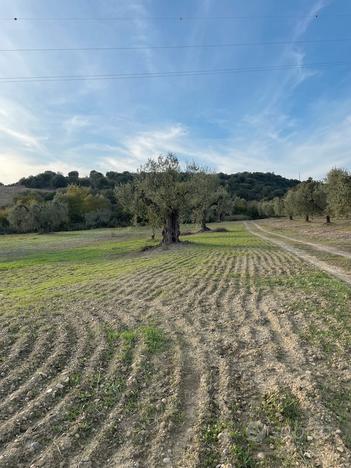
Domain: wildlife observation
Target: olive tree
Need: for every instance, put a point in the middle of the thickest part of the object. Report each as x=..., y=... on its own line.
x=49, y=216
x=290, y=204
x=160, y=193
x=204, y=186
x=40, y=217
x=278, y=206
x=19, y=218
x=338, y=190
x=310, y=199
x=223, y=204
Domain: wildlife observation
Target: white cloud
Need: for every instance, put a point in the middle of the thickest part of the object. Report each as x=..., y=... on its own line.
x=26, y=139
x=14, y=165
x=135, y=149
x=76, y=123
x=19, y=128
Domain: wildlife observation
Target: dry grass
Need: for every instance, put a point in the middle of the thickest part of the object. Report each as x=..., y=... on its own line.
x=337, y=234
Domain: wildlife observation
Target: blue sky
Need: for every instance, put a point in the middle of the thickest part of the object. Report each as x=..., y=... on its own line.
x=289, y=121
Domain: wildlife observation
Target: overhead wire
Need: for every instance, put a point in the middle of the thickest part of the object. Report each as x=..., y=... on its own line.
x=179, y=18
x=184, y=73
x=179, y=46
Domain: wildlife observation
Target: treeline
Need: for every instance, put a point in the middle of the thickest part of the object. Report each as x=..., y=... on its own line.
x=75, y=207
x=329, y=198
x=96, y=180
x=248, y=186
x=72, y=202
x=256, y=186
x=119, y=199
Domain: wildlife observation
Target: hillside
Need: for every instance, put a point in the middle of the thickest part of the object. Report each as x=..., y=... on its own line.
x=247, y=185
x=256, y=185
x=8, y=193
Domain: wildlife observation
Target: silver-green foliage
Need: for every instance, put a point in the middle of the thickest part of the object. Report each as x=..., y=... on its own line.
x=338, y=185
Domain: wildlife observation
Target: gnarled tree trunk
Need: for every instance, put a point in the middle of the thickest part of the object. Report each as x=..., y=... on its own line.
x=171, y=231
x=204, y=227
x=327, y=219
x=291, y=218
x=307, y=219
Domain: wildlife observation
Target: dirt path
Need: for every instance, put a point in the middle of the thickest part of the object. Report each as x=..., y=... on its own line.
x=322, y=248
x=335, y=271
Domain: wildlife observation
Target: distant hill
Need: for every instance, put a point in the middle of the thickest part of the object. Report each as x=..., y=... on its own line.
x=247, y=185
x=256, y=185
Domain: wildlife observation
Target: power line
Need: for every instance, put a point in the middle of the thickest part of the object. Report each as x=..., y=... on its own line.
x=175, y=18
x=186, y=73
x=181, y=46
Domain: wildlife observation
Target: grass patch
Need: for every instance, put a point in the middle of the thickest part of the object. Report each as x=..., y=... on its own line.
x=282, y=407
x=211, y=456
x=154, y=339
x=242, y=449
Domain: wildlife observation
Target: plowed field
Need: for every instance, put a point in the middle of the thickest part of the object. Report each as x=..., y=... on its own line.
x=225, y=350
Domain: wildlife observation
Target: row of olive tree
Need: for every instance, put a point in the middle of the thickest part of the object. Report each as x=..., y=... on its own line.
x=76, y=207
x=332, y=197
x=37, y=217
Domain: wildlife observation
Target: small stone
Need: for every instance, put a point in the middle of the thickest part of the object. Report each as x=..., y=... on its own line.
x=340, y=449
x=260, y=456
x=49, y=390
x=33, y=445
x=164, y=401
x=166, y=461
x=86, y=463
x=309, y=438
x=130, y=381
x=59, y=386
x=307, y=455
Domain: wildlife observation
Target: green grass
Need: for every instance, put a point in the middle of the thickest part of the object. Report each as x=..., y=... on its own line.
x=281, y=407
x=97, y=394
x=36, y=269
x=242, y=448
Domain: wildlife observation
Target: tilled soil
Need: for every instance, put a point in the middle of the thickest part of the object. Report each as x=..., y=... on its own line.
x=198, y=361
x=326, y=266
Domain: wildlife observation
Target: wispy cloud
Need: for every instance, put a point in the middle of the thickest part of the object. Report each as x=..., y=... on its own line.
x=26, y=139
x=284, y=121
